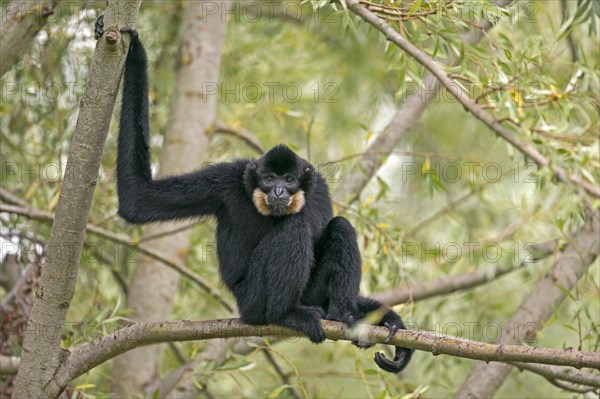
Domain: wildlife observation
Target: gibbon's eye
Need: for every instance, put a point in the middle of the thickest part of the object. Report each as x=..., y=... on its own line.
x=290, y=180
x=268, y=179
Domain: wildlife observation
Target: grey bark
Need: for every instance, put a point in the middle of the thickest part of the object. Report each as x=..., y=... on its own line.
x=91, y=354
x=463, y=281
x=407, y=115
x=485, y=379
x=10, y=271
x=185, y=147
x=178, y=384
x=589, y=379
x=42, y=353
x=19, y=24
x=145, y=249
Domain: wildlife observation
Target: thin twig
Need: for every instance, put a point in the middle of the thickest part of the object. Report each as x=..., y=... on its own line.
x=243, y=135
x=36, y=214
x=459, y=282
x=472, y=107
x=284, y=377
x=590, y=379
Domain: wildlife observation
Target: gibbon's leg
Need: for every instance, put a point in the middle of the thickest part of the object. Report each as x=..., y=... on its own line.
x=334, y=285
x=250, y=295
x=334, y=282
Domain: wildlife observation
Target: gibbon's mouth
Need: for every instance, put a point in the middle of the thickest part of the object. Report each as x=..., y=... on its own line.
x=277, y=202
x=278, y=207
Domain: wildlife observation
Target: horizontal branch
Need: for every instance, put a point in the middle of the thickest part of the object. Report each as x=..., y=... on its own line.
x=591, y=379
x=573, y=261
x=89, y=355
x=148, y=250
x=407, y=115
x=463, y=281
x=472, y=107
x=243, y=135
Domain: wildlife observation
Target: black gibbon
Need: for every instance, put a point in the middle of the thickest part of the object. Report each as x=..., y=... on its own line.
x=281, y=252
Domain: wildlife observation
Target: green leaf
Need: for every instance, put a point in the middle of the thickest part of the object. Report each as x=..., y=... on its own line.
x=415, y=7
x=566, y=292
x=276, y=392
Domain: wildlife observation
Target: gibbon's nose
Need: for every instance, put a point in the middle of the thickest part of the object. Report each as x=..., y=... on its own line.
x=278, y=192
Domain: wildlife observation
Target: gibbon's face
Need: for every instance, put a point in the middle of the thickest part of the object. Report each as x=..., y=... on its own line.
x=278, y=182
x=278, y=195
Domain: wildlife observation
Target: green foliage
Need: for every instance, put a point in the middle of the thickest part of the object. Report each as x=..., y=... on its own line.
x=449, y=184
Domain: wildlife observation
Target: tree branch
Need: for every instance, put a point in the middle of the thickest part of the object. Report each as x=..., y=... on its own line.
x=41, y=357
x=463, y=281
x=405, y=117
x=89, y=355
x=475, y=109
x=573, y=261
x=153, y=287
x=9, y=197
x=18, y=28
x=572, y=45
x=35, y=214
x=242, y=134
x=590, y=379
x=567, y=386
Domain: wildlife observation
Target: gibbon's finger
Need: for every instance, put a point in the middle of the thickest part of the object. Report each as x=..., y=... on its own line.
x=393, y=329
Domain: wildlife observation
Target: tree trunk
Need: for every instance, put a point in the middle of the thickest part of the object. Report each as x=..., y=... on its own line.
x=19, y=24
x=485, y=379
x=407, y=116
x=185, y=147
x=41, y=345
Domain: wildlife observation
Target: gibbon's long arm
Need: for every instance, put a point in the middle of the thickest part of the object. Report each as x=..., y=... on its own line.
x=141, y=199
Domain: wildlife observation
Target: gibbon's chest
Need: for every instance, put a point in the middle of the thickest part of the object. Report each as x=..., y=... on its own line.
x=241, y=223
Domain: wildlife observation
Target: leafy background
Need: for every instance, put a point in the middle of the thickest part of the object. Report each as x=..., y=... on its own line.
x=368, y=77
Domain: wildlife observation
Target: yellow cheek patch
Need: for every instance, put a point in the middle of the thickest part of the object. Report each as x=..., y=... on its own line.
x=260, y=202
x=295, y=205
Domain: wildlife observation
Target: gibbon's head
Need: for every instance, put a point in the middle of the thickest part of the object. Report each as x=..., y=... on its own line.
x=278, y=182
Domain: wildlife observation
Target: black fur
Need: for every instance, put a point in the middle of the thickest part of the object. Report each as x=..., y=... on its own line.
x=291, y=270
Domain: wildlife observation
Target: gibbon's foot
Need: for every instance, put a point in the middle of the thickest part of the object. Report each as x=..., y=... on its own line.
x=312, y=323
x=317, y=310
x=345, y=317
x=99, y=27
x=361, y=345
x=315, y=332
x=401, y=359
x=393, y=328
x=129, y=30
